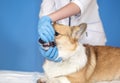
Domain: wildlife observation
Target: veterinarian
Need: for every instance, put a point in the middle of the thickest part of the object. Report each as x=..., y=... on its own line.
x=72, y=13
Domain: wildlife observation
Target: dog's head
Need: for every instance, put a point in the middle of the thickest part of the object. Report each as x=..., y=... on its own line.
x=67, y=37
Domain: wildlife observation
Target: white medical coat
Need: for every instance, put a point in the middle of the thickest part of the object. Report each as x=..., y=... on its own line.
x=89, y=14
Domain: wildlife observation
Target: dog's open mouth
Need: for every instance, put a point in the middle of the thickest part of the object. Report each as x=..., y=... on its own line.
x=47, y=45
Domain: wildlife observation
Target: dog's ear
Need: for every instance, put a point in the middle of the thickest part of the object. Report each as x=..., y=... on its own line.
x=77, y=31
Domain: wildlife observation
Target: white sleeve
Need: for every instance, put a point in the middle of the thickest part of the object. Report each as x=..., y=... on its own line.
x=83, y=4
x=47, y=7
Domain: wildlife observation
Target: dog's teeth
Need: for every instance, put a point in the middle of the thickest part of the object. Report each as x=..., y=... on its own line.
x=46, y=46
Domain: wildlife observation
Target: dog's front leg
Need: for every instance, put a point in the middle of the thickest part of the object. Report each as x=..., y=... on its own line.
x=54, y=80
x=42, y=79
x=59, y=69
x=58, y=80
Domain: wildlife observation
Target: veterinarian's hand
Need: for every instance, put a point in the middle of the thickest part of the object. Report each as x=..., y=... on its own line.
x=45, y=29
x=51, y=54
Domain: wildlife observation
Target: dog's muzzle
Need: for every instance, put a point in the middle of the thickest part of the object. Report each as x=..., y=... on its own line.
x=47, y=45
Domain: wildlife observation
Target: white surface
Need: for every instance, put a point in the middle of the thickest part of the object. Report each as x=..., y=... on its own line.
x=19, y=77
x=25, y=77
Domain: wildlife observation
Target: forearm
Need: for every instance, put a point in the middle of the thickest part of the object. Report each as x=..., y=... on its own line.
x=66, y=11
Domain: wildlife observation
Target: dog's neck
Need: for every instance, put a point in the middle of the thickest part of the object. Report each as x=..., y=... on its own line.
x=68, y=55
x=79, y=56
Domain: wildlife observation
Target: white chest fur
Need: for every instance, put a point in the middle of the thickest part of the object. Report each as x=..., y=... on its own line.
x=75, y=62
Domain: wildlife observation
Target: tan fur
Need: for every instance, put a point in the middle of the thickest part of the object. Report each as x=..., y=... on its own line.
x=103, y=65
x=103, y=62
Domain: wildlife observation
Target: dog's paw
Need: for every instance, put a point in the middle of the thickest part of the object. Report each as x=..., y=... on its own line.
x=42, y=80
x=53, y=80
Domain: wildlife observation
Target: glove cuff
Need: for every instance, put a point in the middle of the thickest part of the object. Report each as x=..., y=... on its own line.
x=47, y=18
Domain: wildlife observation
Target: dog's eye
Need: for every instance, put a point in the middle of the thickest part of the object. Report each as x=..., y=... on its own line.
x=56, y=33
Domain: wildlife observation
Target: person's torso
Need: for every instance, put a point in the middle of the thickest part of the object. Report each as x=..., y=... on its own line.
x=90, y=15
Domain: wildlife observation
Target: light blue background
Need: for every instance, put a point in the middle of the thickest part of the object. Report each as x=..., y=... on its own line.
x=18, y=32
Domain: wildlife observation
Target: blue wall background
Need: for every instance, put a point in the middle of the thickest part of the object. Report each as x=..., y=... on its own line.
x=18, y=32
x=18, y=35
x=110, y=15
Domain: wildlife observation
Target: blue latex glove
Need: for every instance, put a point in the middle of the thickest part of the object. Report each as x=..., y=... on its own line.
x=50, y=54
x=46, y=33
x=45, y=29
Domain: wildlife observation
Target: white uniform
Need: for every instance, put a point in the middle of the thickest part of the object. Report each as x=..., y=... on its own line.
x=89, y=14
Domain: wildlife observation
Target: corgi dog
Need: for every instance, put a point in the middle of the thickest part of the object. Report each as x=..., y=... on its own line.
x=81, y=63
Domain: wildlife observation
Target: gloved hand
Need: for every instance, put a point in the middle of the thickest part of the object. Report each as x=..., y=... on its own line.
x=51, y=54
x=45, y=29
x=46, y=33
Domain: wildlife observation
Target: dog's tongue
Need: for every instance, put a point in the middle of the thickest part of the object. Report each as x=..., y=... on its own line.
x=46, y=45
